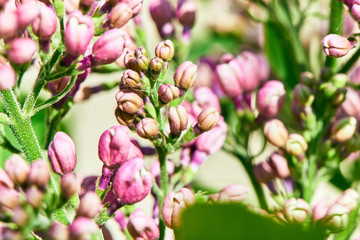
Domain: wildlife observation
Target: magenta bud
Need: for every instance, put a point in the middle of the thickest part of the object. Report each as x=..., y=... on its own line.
x=335, y=45
x=275, y=132
x=62, y=154
x=129, y=102
x=69, y=184
x=173, y=206
x=185, y=12
x=22, y=50
x=5, y=179
x=132, y=183
x=208, y=119
x=165, y=50
x=90, y=205
x=227, y=76
x=109, y=46
x=178, y=120
x=343, y=129
x=27, y=12
x=349, y=199
x=354, y=6
x=263, y=172
x=279, y=165
x=185, y=75
x=130, y=78
x=120, y=15
x=78, y=33
x=296, y=210
x=8, y=24
x=44, y=26
x=161, y=12
x=147, y=128
x=58, y=231
x=124, y=118
x=296, y=145
x=7, y=76
x=82, y=228
x=121, y=219
x=39, y=174
x=167, y=93
x=231, y=193
x=34, y=196
x=271, y=98
x=9, y=197
x=17, y=169
x=141, y=226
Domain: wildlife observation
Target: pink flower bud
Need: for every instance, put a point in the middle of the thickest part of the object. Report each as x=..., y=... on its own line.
x=296, y=145
x=161, y=12
x=27, y=12
x=343, y=129
x=263, y=172
x=208, y=119
x=129, y=102
x=228, y=79
x=249, y=71
x=39, y=174
x=279, y=165
x=8, y=24
x=178, y=120
x=120, y=219
x=336, y=218
x=130, y=78
x=142, y=62
x=173, y=206
x=5, y=179
x=335, y=45
x=22, y=50
x=132, y=183
x=355, y=9
x=165, y=50
x=296, y=210
x=78, y=33
x=90, y=205
x=211, y=141
x=120, y=15
x=186, y=12
x=135, y=5
x=271, y=98
x=185, y=75
x=7, y=76
x=205, y=98
x=147, y=128
x=9, y=197
x=82, y=228
x=34, y=196
x=17, y=169
x=231, y=193
x=349, y=199
x=44, y=26
x=69, y=185
x=275, y=132
x=62, y=154
x=156, y=64
x=109, y=46
x=141, y=226
x=124, y=118
x=350, y=105
x=167, y=93
x=58, y=231
x=19, y=216
x=320, y=209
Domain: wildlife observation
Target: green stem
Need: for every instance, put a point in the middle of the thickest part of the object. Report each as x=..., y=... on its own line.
x=347, y=66
x=163, y=185
x=335, y=27
x=34, y=94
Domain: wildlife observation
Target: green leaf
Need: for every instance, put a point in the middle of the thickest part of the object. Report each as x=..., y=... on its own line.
x=280, y=53
x=235, y=221
x=97, y=236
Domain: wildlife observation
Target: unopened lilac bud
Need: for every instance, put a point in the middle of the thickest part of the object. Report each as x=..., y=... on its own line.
x=276, y=133
x=39, y=174
x=5, y=179
x=165, y=50
x=8, y=24
x=17, y=169
x=44, y=26
x=27, y=12
x=90, y=204
x=19, y=216
x=336, y=218
x=296, y=145
x=279, y=165
x=156, y=64
x=140, y=51
x=147, y=128
x=109, y=46
x=296, y=210
x=120, y=15
x=130, y=61
x=62, y=154
x=208, y=119
x=167, y=93
x=124, y=118
x=161, y=12
x=349, y=199
x=271, y=98
x=186, y=12
x=78, y=33
x=130, y=78
x=320, y=209
x=21, y=50
x=263, y=172
x=185, y=75
x=9, y=197
x=132, y=183
x=303, y=95
x=82, y=228
x=178, y=120
x=142, y=62
x=34, y=196
x=141, y=226
x=58, y=231
x=343, y=129
x=355, y=9
x=129, y=102
x=335, y=45
x=173, y=206
x=7, y=76
x=68, y=185
x=231, y=193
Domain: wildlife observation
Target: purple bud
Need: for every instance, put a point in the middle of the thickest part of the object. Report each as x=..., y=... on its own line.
x=186, y=12
x=161, y=12
x=141, y=226
x=5, y=179
x=69, y=185
x=62, y=154
x=90, y=205
x=173, y=206
x=271, y=98
x=296, y=145
x=185, y=75
x=17, y=169
x=355, y=9
x=120, y=219
x=27, y=12
x=279, y=165
x=335, y=45
x=129, y=102
x=132, y=183
x=167, y=93
x=82, y=228
x=44, y=26
x=8, y=24
x=228, y=79
x=78, y=33
x=263, y=172
x=120, y=15
x=178, y=120
x=275, y=132
x=22, y=50
x=208, y=119
x=39, y=174
x=147, y=128
x=165, y=50
x=9, y=197
x=34, y=196
x=205, y=98
x=296, y=210
x=7, y=76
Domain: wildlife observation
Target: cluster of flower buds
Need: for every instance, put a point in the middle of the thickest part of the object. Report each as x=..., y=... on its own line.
x=164, y=14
